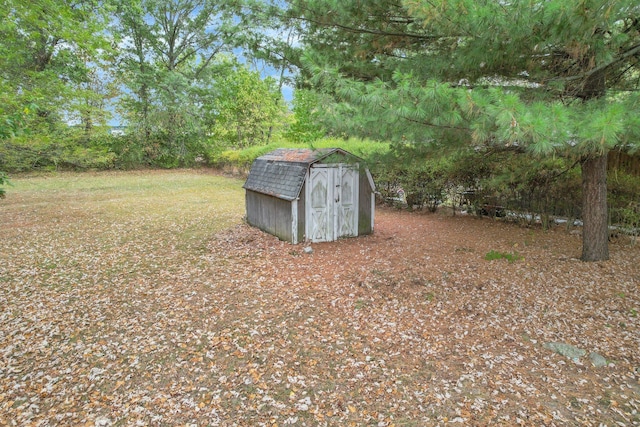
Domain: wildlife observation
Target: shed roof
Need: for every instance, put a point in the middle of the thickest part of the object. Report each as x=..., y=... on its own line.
x=281, y=173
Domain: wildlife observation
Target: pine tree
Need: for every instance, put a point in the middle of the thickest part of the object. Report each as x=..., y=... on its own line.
x=543, y=78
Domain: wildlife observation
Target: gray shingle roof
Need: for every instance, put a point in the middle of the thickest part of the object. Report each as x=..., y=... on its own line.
x=281, y=173
x=279, y=179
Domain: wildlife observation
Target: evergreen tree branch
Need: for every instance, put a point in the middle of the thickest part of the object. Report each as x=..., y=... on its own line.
x=433, y=125
x=633, y=51
x=356, y=30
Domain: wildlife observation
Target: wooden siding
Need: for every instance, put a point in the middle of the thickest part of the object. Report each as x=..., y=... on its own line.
x=270, y=214
x=302, y=213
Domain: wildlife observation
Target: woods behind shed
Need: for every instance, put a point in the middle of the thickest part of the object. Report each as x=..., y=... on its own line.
x=310, y=195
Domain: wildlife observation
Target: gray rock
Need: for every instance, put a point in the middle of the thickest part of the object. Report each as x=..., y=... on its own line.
x=308, y=250
x=567, y=350
x=597, y=360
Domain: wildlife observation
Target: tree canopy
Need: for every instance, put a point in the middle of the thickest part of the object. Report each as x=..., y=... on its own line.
x=45, y=46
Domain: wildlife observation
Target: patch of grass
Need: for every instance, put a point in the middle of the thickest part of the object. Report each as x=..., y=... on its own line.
x=575, y=403
x=605, y=400
x=509, y=256
x=190, y=203
x=123, y=226
x=359, y=304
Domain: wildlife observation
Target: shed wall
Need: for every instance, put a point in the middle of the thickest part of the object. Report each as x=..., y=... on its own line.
x=302, y=213
x=269, y=214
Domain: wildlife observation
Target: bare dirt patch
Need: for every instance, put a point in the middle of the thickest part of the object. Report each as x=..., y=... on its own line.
x=131, y=323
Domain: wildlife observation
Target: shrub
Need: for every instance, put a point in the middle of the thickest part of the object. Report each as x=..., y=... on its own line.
x=53, y=152
x=4, y=180
x=511, y=257
x=423, y=178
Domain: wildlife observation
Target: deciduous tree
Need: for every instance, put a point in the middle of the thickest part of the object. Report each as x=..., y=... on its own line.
x=168, y=48
x=245, y=108
x=43, y=44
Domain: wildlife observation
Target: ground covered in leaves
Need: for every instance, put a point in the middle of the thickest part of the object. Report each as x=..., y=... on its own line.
x=142, y=299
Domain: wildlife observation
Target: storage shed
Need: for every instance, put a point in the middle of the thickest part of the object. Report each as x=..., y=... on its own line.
x=310, y=195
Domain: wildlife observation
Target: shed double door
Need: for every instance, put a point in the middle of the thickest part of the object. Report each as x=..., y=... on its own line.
x=332, y=202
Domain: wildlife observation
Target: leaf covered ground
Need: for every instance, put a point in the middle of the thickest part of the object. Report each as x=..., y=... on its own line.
x=143, y=299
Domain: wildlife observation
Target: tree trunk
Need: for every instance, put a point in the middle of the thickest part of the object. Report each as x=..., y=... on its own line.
x=595, y=232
